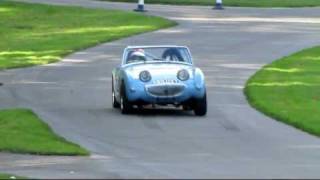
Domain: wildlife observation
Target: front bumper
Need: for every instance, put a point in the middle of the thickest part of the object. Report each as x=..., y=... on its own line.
x=172, y=93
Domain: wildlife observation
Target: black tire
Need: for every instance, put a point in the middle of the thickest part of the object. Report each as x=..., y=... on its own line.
x=186, y=107
x=200, y=106
x=125, y=105
x=115, y=103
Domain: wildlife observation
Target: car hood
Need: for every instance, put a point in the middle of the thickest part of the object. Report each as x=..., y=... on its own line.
x=159, y=70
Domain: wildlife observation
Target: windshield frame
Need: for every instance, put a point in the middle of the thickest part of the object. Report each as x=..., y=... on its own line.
x=128, y=49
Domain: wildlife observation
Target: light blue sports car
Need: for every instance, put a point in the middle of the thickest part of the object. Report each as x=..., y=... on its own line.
x=158, y=75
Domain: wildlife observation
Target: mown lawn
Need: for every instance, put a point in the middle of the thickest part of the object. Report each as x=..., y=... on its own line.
x=33, y=34
x=21, y=131
x=289, y=90
x=237, y=3
x=7, y=176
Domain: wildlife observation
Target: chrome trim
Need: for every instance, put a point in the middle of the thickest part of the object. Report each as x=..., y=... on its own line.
x=165, y=90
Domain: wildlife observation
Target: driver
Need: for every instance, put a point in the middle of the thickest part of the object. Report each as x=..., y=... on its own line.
x=137, y=56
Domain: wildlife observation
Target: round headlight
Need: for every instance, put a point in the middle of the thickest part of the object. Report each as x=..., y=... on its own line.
x=145, y=76
x=183, y=75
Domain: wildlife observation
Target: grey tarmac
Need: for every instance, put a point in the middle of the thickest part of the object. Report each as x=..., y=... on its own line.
x=232, y=141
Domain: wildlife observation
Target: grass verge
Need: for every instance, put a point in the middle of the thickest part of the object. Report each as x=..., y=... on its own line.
x=236, y=3
x=21, y=131
x=7, y=176
x=289, y=90
x=34, y=34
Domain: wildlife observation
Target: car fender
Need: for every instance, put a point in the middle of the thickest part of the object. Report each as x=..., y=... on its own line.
x=128, y=81
x=199, y=81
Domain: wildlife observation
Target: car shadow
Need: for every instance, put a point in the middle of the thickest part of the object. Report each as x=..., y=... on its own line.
x=157, y=112
x=162, y=112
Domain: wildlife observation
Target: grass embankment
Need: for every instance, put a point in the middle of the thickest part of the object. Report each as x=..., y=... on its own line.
x=33, y=34
x=21, y=131
x=289, y=90
x=236, y=3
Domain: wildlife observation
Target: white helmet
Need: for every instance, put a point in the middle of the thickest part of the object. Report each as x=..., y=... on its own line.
x=138, y=56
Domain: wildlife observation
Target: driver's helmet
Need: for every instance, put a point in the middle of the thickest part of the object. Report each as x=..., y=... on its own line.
x=138, y=55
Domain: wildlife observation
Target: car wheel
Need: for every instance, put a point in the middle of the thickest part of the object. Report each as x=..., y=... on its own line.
x=125, y=105
x=186, y=107
x=200, y=106
x=115, y=103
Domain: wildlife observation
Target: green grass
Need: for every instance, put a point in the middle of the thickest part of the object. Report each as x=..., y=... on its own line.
x=33, y=34
x=289, y=90
x=238, y=3
x=21, y=131
x=7, y=176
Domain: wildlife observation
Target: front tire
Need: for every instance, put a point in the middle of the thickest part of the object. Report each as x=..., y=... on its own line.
x=115, y=103
x=125, y=105
x=200, y=106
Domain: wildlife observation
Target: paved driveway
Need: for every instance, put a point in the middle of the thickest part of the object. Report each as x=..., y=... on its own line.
x=233, y=140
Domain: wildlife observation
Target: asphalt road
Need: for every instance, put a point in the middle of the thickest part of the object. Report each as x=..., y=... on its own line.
x=233, y=140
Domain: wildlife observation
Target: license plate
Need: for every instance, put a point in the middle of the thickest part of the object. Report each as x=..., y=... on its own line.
x=165, y=81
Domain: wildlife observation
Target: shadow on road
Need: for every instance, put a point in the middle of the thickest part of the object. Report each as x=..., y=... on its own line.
x=158, y=112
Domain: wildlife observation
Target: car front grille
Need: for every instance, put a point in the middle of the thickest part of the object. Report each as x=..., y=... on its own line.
x=165, y=90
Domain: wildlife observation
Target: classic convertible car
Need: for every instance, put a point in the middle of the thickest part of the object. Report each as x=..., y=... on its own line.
x=158, y=75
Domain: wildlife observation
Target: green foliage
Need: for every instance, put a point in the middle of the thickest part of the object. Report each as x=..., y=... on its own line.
x=289, y=90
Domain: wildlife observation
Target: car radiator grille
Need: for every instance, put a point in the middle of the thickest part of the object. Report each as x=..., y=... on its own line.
x=165, y=90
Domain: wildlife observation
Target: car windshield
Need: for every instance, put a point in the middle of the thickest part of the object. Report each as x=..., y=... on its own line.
x=166, y=54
